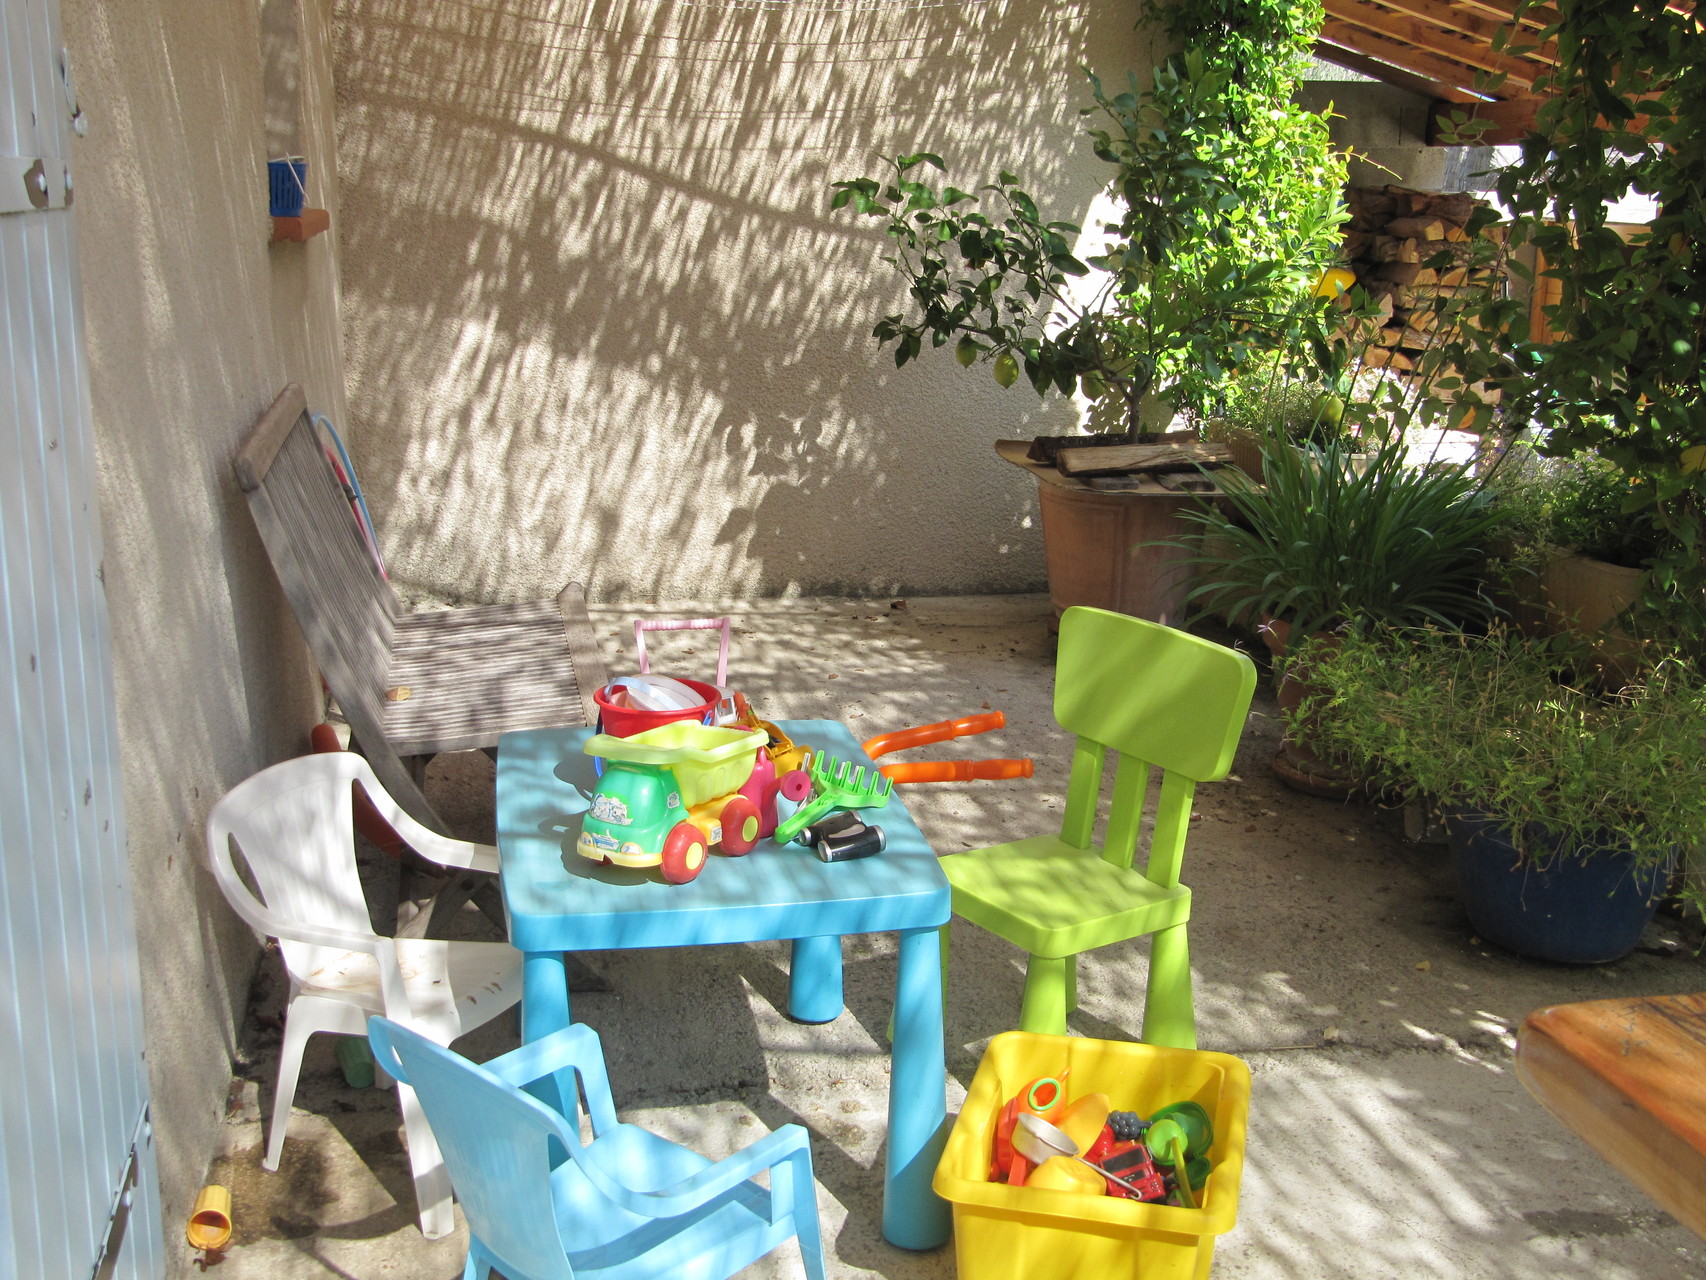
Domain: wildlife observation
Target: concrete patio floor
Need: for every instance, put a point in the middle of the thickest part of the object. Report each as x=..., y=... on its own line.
x=1388, y=1136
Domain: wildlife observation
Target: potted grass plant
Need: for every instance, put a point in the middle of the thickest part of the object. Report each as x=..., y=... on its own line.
x=1328, y=545
x=1567, y=805
x=1577, y=562
x=1258, y=407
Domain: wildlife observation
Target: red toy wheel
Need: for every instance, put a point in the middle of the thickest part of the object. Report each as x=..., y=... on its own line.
x=740, y=826
x=683, y=853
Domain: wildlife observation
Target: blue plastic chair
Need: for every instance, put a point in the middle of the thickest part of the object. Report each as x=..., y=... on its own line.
x=542, y=1205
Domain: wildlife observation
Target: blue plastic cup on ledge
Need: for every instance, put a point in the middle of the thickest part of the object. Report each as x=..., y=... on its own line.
x=287, y=186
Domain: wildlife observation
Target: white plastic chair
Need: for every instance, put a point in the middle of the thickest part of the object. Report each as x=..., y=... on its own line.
x=293, y=826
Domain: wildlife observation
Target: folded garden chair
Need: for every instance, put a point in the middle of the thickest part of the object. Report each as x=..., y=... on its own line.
x=410, y=684
x=1161, y=699
x=542, y=1204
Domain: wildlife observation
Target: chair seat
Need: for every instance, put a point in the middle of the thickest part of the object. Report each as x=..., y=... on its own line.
x=452, y=986
x=609, y=1242
x=1054, y=900
x=478, y=672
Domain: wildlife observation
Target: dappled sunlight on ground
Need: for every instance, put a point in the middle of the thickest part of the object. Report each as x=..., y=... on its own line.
x=1388, y=1135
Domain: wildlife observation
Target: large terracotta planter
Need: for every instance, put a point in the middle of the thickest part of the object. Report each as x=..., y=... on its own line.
x=1298, y=763
x=1095, y=545
x=1574, y=593
x=1097, y=542
x=1585, y=596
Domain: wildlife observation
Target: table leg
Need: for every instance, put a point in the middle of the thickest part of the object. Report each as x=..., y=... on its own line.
x=544, y=1009
x=544, y=995
x=914, y=1216
x=814, y=979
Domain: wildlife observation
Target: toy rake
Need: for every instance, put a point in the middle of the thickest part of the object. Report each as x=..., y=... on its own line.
x=839, y=785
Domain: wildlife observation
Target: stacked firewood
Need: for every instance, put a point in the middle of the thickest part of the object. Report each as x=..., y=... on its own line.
x=1394, y=233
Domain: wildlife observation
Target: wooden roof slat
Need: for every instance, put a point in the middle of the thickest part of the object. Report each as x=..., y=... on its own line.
x=1534, y=18
x=1430, y=66
x=1399, y=78
x=1411, y=41
x=1458, y=19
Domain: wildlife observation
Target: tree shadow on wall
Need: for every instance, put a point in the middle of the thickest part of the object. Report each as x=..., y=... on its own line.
x=599, y=315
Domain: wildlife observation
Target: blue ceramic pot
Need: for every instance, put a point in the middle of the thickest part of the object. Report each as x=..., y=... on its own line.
x=1569, y=899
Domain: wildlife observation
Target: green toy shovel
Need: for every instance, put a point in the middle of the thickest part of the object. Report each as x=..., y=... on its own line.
x=1167, y=1141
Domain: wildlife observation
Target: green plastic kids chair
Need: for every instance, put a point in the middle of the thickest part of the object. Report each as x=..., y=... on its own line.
x=1159, y=698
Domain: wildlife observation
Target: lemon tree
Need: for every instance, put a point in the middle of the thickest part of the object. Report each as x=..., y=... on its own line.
x=1229, y=197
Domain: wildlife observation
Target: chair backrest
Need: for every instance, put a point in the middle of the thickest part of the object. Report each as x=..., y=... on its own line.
x=1159, y=697
x=497, y=1143
x=343, y=602
x=344, y=605
x=293, y=825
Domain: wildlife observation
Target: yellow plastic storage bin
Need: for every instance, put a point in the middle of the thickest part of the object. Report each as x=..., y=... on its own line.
x=1024, y=1233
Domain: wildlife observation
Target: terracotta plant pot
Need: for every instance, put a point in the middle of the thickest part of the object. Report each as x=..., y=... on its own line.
x=1095, y=547
x=1297, y=763
x=1098, y=543
x=1585, y=596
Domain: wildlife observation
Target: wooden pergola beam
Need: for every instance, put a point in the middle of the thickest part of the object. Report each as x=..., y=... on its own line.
x=1445, y=50
x=1399, y=78
x=1507, y=122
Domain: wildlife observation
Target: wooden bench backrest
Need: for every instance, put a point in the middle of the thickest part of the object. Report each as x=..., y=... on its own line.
x=341, y=600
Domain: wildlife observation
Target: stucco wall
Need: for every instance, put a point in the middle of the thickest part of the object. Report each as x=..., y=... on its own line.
x=193, y=324
x=601, y=324
x=1384, y=130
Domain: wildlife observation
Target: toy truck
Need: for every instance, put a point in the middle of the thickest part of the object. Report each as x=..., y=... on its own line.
x=670, y=794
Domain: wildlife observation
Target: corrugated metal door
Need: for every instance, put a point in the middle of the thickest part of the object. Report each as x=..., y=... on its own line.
x=78, y=1195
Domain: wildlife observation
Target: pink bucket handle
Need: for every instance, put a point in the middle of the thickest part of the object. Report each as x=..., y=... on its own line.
x=641, y=626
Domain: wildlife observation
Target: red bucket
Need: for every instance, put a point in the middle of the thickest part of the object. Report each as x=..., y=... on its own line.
x=625, y=722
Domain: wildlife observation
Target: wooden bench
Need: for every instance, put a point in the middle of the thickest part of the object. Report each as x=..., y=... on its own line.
x=411, y=684
x=1629, y=1076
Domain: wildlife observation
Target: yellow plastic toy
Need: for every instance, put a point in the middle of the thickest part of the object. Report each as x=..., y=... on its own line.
x=671, y=793
x=1004, y=1232
x=209, y=1227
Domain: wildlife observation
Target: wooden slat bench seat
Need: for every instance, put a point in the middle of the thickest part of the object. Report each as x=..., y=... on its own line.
x=1629, y=1076
x=470, y=674
x=470, y=668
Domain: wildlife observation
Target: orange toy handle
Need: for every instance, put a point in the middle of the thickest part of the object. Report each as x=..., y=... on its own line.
x=955, y=770
x=901, y=739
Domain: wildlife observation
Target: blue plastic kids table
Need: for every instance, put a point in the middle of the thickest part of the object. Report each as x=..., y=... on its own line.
x=560, y=901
